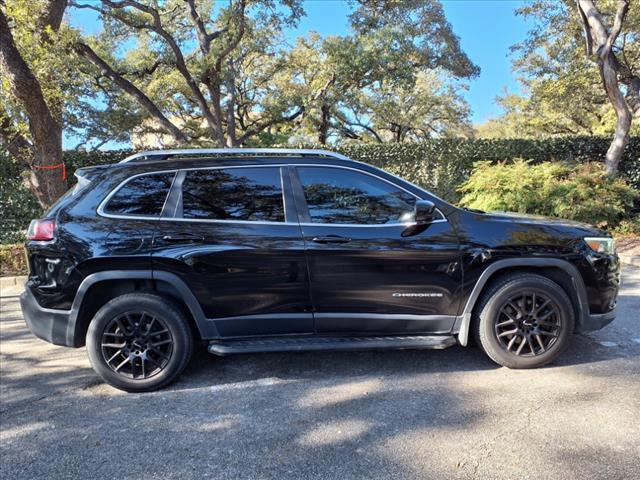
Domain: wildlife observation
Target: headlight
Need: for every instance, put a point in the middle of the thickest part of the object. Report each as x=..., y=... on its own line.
x=601, y=244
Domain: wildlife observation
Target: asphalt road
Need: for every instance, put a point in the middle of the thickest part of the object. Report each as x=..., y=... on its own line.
x=403, y=414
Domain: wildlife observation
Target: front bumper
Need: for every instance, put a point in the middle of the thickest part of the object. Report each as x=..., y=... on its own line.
x=591, y=322
x=51, y=325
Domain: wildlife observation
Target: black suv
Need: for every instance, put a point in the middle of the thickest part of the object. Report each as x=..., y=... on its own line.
x=286, y=250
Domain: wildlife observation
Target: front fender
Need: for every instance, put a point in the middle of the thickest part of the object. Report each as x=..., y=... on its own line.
x=463, y=323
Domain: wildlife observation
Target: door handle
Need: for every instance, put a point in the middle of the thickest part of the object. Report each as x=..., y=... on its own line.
x=185, y=237
x=331, y=239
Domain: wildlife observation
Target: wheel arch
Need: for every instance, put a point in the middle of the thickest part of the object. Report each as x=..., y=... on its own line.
x=98, y=288
x=561, y=271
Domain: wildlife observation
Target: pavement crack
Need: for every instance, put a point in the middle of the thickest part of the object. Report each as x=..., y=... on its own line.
x=487, y=448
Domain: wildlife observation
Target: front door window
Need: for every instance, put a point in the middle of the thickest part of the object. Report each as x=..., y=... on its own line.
x=342, y=196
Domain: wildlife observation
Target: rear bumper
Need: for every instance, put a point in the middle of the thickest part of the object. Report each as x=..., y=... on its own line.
x=46, y=323
x=593, y=322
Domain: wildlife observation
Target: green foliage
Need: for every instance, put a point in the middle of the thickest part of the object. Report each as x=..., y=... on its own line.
x=396, y=77
x=581, y=192
x=563, y=90
x=18, y=205
x=628, y=227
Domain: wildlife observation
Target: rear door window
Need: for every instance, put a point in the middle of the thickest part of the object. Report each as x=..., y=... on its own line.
x=141, y=196
x=234, y=194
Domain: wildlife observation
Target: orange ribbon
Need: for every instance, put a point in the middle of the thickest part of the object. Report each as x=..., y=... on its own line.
x=53, y=167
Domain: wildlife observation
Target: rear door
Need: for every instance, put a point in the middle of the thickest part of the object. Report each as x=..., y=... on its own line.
x=370, y=272
x=130, y=214
x=234, y=238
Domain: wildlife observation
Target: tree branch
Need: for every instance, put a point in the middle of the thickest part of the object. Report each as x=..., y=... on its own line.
x=204, y=38
x=157, y=27
x=129, y=88
x=621, y=13
x=594, y=24
x=586, y=30
x=275, y=121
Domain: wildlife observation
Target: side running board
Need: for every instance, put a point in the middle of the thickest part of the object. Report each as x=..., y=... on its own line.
x=331, y=343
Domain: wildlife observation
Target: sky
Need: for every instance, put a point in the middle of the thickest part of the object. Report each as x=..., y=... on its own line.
x=487, y=28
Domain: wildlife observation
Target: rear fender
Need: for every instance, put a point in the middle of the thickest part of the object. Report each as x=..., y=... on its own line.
x=206, y=328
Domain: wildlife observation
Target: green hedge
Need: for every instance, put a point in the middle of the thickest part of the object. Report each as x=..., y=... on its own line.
x=439, y=165
x=17, y=204
x=442, y=165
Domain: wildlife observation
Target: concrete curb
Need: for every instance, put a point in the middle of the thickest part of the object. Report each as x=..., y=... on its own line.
x=8, y=282
x=630, y=259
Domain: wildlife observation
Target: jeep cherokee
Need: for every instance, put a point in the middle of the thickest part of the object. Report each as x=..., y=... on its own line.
x=264, y=250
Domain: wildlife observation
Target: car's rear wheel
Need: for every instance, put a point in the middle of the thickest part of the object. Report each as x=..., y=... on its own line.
x=523, y=321
x=139, y=342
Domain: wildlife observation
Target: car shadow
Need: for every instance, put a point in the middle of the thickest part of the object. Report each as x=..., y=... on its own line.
x=210, y=369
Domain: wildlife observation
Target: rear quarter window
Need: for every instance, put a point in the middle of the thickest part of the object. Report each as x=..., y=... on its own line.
x=144, y=195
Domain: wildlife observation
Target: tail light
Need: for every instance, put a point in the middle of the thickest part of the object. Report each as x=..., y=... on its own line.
x=43, y=229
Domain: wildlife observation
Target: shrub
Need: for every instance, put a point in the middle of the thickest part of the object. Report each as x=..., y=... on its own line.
x=13, y=260
x=582, y=192
x=628, y=227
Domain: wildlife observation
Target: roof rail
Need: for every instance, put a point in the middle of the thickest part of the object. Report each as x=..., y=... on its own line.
x=164, y=154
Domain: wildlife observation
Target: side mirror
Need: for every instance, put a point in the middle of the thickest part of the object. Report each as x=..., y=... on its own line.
x=424, y=212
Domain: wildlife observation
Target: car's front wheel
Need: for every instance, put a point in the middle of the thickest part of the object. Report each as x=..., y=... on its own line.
x=139, y=342
x=523, y=321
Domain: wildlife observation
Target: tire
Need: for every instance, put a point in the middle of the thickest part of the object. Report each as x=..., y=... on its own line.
x=523, y=320
x=139, y=342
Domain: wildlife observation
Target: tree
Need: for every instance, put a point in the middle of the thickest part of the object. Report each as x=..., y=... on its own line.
x=39, y=146
x=391, y=44
x=204, y=95
x=563, y=92
x=431, y=107
x=600, y=43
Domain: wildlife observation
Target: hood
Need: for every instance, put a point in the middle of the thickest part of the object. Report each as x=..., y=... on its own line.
x=529, y=219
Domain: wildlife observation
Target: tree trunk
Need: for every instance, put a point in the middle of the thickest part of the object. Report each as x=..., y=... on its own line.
x=47, y=167
x=213, y=85
x=623, y=116
x=325, y=117
x=600, y=41
x=231, y=103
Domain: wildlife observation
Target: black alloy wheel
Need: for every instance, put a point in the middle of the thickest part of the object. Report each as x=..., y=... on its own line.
x=523, y=320
x=139, y=341
x=528, y=324
x=137, y=345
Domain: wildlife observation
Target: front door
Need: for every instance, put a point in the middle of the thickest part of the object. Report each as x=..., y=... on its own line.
x=370, y=272
x=236, y=242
